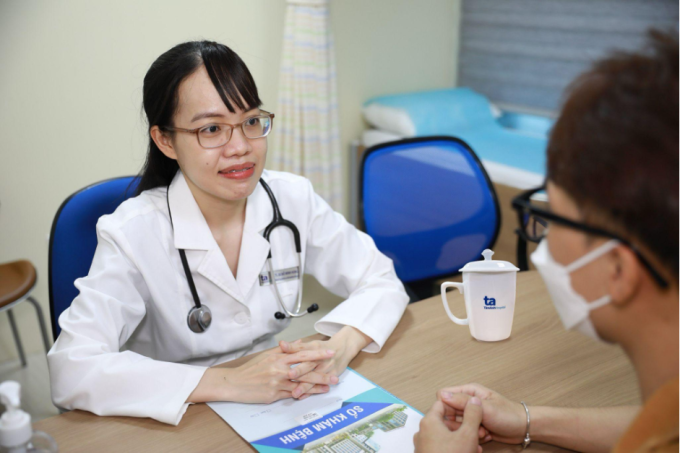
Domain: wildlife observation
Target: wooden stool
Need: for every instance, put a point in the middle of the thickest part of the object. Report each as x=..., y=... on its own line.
x=17, y=280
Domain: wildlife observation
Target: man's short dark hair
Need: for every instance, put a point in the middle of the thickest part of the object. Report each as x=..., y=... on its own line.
x=614, y=148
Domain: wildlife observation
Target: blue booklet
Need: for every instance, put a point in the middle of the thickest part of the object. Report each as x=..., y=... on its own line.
x=356, y=415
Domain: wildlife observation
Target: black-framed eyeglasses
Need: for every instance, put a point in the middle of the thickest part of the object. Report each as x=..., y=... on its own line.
x=215, y=135
x=534, y=222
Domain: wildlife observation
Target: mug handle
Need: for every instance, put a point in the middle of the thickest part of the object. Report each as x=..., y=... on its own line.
x=462, y=322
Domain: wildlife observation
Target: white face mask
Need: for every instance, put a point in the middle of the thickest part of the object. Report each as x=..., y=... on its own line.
x=571, y=306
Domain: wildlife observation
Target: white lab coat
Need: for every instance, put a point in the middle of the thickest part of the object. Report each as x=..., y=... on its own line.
x=125, y=347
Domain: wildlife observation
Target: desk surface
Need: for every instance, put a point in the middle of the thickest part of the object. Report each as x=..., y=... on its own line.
x=540, y=363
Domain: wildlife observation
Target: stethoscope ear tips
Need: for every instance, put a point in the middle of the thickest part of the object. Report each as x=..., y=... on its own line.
x=312, y=308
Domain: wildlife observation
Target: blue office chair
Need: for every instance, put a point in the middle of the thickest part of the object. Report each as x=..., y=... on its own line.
x=429, y=205
x=73, y=239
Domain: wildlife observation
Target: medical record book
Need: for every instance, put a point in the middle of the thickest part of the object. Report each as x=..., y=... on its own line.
x=354, y=416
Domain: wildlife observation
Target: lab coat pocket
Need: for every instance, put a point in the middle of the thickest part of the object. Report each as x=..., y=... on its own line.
x=287, y=291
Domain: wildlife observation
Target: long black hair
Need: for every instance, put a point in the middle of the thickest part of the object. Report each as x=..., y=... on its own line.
x=226, y=70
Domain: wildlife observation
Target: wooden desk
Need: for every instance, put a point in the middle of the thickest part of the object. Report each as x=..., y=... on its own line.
x=540, y=363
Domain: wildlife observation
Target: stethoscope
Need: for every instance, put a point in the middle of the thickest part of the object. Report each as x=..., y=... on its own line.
x=200, y=316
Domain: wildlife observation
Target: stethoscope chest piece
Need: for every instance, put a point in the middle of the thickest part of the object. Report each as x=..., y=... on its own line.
x=199, y=319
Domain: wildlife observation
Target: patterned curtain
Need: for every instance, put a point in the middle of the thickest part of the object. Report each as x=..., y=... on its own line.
x=307, y=140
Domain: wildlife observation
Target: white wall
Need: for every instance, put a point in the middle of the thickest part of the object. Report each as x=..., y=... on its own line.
x=71, y=79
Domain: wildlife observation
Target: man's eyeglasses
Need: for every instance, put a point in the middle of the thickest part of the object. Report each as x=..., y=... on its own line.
x=534, y=222
x=215, y=135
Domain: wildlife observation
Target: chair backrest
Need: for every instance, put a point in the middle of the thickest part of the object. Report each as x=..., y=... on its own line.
x=428, y=204
x=73, y=238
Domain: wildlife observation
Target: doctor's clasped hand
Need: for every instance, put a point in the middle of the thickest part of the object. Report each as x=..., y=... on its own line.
x=263, y=379
x=345, y=344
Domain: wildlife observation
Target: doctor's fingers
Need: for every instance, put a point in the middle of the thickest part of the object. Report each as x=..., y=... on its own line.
x=309, y=389
x=276, y=350
x=318, y=378
x=302, y=369
x=283, y=394
x=302, y=388
x=308, y=356
x=319, y=388
x=298, y=345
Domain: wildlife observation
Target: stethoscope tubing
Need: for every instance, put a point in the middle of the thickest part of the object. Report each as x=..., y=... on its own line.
x=298, y=303
x=279, y=221
x=200, y=317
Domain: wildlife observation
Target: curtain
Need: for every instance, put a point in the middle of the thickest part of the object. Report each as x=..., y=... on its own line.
x=307, y=140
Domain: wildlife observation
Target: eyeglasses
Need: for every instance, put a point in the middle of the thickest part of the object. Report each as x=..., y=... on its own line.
x=214, y=135
x=534, y=222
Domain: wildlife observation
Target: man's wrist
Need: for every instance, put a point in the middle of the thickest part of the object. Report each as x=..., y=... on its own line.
x=537, y=422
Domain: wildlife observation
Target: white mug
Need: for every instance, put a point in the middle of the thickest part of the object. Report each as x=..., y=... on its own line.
x=489, y=291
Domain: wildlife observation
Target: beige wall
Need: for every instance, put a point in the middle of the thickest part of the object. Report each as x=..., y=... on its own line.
x=71, y=80
x=391, y=46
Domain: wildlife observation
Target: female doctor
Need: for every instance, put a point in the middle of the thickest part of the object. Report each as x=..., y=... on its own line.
x=181, y=280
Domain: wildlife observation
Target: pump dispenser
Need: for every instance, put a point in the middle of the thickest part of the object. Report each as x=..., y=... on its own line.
x=16, y=433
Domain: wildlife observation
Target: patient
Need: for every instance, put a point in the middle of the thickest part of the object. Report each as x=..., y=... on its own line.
x=610, y=262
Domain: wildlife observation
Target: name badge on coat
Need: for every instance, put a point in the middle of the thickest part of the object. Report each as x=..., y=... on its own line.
x=281, y=275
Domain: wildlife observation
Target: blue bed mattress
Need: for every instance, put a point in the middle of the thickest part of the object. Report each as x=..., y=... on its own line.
x=511, y=145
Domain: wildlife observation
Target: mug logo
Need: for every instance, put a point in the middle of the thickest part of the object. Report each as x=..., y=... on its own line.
x=490, y=304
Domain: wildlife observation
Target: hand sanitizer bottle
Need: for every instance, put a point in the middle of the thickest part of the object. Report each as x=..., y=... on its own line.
x=16, y=433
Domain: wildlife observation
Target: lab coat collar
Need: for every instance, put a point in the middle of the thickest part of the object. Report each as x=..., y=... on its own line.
x=254, y=247
x=191, y=232
x=259, y=210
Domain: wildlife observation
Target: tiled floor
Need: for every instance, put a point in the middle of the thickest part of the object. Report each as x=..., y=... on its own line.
x=35, y=383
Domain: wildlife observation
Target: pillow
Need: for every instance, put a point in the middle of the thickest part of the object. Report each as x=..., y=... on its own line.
x=375, y=137
x=389, y=119
x=438, y=112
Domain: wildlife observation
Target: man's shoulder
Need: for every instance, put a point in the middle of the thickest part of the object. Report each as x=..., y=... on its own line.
x=656, y=426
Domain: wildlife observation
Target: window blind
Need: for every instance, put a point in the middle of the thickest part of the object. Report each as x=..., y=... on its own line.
x=525, y=52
